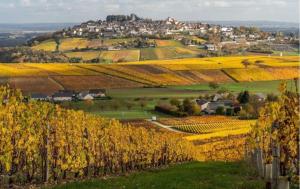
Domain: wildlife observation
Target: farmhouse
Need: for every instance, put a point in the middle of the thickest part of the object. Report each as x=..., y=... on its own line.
x=211, y=107
x=97, y=93
x=211, y=47
x=39, y=97
x=202, y=103
x=85, y=95
x=63, y=96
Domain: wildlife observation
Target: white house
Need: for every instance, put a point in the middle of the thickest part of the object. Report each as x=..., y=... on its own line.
x=96, y=93
x=85, y=95
x=63, y=96
x=202, y=103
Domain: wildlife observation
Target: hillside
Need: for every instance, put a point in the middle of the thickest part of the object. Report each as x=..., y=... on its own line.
x=89, y=49
x=48, y=78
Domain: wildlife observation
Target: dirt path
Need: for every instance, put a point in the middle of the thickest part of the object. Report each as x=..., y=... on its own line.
x=166, y=127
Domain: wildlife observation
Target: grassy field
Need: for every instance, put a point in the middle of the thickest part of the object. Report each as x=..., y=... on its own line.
x=256, y=86
x=195, y=175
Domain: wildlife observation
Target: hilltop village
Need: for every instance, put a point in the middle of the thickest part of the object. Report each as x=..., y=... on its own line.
x=121, y=38
x=121, y=26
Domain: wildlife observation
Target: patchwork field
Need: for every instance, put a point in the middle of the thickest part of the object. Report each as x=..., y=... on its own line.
x=190, y=71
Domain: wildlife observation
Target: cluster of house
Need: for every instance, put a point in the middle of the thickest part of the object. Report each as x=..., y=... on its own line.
x=118, y=26
x=132, y=25
x=70, y=95
x=211, y=106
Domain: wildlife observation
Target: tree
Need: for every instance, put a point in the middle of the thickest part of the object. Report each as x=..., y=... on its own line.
x=186, y=104
x=213, y=85
x=246, y=63
x=57, y=40
x=220, y=110
x=243, y=97
x=195, y=109
x=278, y=126
x=41, y=142
x=129, y=105
x=115, y=105
x=175, y=102
x=243, y=114
x=272, y=97
x=143, y=103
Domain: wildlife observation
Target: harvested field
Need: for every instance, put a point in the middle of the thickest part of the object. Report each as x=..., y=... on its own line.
x=91, y=82
x=28, y=85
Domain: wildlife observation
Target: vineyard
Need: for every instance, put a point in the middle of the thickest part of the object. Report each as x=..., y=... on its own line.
x=207, y=127
x=41, y=143
x=220, y=147
x=223, y=149
x=146, y=73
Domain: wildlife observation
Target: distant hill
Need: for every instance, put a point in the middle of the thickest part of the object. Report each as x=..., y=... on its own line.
x=33, y=28
x=18, y=34
x=268, y=26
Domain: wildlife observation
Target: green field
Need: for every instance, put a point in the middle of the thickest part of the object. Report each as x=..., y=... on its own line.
x=255, y=86
x=197, y=175
x=117, y=106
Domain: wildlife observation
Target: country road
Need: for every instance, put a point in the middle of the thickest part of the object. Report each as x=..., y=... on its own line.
x=166, y=127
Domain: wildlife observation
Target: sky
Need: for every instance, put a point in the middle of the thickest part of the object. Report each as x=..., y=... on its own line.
x=62, y=11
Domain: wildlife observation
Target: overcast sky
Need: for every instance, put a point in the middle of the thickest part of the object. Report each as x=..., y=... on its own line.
x=45, y=11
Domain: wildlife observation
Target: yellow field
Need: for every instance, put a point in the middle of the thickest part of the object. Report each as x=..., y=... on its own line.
x=206, y=127
x=68, y=44
x=195, y=38
x=48, y=45
x=167, y=43
x=63, y=69
x=221, y=134
x=259, y=74
x=165, y=72
x=88, y=55
x=121, y=56
x=12, y=70
x=226, y=62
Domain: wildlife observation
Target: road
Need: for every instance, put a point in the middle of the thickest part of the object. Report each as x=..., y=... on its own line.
x=166, y=127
